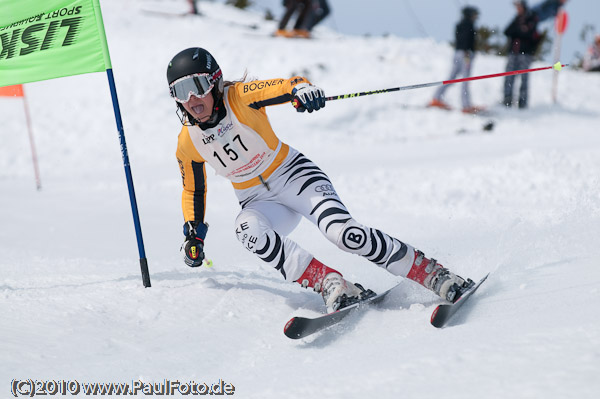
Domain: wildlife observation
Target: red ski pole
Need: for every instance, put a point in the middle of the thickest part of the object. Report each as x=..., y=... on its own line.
x=558, y=66
x=36, y=168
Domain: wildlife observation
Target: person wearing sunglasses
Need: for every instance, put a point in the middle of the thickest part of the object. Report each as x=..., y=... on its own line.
x=225, y=125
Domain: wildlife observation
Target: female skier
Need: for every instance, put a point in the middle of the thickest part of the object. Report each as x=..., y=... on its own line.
x=226, y=126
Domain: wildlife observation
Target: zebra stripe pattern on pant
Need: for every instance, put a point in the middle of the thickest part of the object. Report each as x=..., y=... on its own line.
x=333, y=209
x=269, y=252
x=303, y=168
x=327, y=212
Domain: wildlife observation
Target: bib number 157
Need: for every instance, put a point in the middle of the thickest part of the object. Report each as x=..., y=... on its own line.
x=230, y=152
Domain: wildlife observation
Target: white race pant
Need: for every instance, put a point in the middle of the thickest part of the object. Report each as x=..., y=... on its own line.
x=299, y=188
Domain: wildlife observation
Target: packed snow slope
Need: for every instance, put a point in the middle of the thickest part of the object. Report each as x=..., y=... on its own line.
x=521, y=202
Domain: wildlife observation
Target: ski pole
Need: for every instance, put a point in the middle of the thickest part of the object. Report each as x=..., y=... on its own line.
x=558, y=66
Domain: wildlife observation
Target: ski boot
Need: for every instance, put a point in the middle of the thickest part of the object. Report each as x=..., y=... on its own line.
x=474, y=110
x=283, y=33
x=439, y=104
x=337, y=292
x=301, y=33
x=437, y=278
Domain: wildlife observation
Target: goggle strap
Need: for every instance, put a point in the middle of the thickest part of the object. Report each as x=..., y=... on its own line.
x=216, y=75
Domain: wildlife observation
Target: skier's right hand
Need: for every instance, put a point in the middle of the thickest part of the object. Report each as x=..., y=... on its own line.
x=192, y=248
x=308, y=98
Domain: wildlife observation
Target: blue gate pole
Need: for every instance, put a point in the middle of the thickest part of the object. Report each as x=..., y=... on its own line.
x=134, y=209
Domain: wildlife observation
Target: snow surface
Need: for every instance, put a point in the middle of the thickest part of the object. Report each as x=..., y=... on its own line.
x=521, y=202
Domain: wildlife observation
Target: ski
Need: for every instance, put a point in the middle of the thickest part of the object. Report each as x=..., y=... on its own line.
x=301, y=327
x=166, y=13
x=487, y=126
x=444, y=312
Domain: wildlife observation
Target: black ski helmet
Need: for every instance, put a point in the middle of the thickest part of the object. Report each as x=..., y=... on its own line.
x=197, y=60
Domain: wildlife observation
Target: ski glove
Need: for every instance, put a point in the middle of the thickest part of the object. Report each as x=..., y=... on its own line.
x=308, y=98
x=192, y=248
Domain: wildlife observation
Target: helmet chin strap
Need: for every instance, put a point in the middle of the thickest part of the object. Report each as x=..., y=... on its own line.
x=183, y=115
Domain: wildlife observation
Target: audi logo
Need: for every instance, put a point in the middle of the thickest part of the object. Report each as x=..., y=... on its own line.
x=323, y=188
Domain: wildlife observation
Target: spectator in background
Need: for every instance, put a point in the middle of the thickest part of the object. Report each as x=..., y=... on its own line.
x=523, y=42
x=303, y=8
x=463, y=57
x=591, y=60
x=193, y=7
x=547, y=9
x=320, y=12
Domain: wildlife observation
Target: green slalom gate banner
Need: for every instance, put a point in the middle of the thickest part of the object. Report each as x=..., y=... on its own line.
x=46, y=39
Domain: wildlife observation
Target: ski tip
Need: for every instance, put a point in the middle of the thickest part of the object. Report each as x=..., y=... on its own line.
x=433, y=320
x=289, y=330
x=288, y=324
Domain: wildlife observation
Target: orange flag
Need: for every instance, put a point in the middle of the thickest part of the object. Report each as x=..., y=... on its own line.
x=11, y=91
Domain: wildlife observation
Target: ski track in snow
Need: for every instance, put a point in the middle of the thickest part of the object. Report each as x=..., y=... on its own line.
x=521, y=202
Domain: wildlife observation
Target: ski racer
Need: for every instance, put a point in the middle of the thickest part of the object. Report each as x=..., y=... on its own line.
x=225, y=125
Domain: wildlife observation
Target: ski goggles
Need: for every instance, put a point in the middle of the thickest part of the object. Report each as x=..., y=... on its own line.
x=198, y=84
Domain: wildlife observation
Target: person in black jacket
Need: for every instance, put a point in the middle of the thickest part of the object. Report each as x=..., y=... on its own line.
x=523, y=42
x=463, y=56
x=320, y=12
x=304, y=9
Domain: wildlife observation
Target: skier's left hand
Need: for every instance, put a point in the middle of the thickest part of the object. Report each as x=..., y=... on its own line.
x=308, y=98
x=192, y=248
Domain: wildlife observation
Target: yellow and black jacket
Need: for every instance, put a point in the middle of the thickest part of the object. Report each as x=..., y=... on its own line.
x=242, y=147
